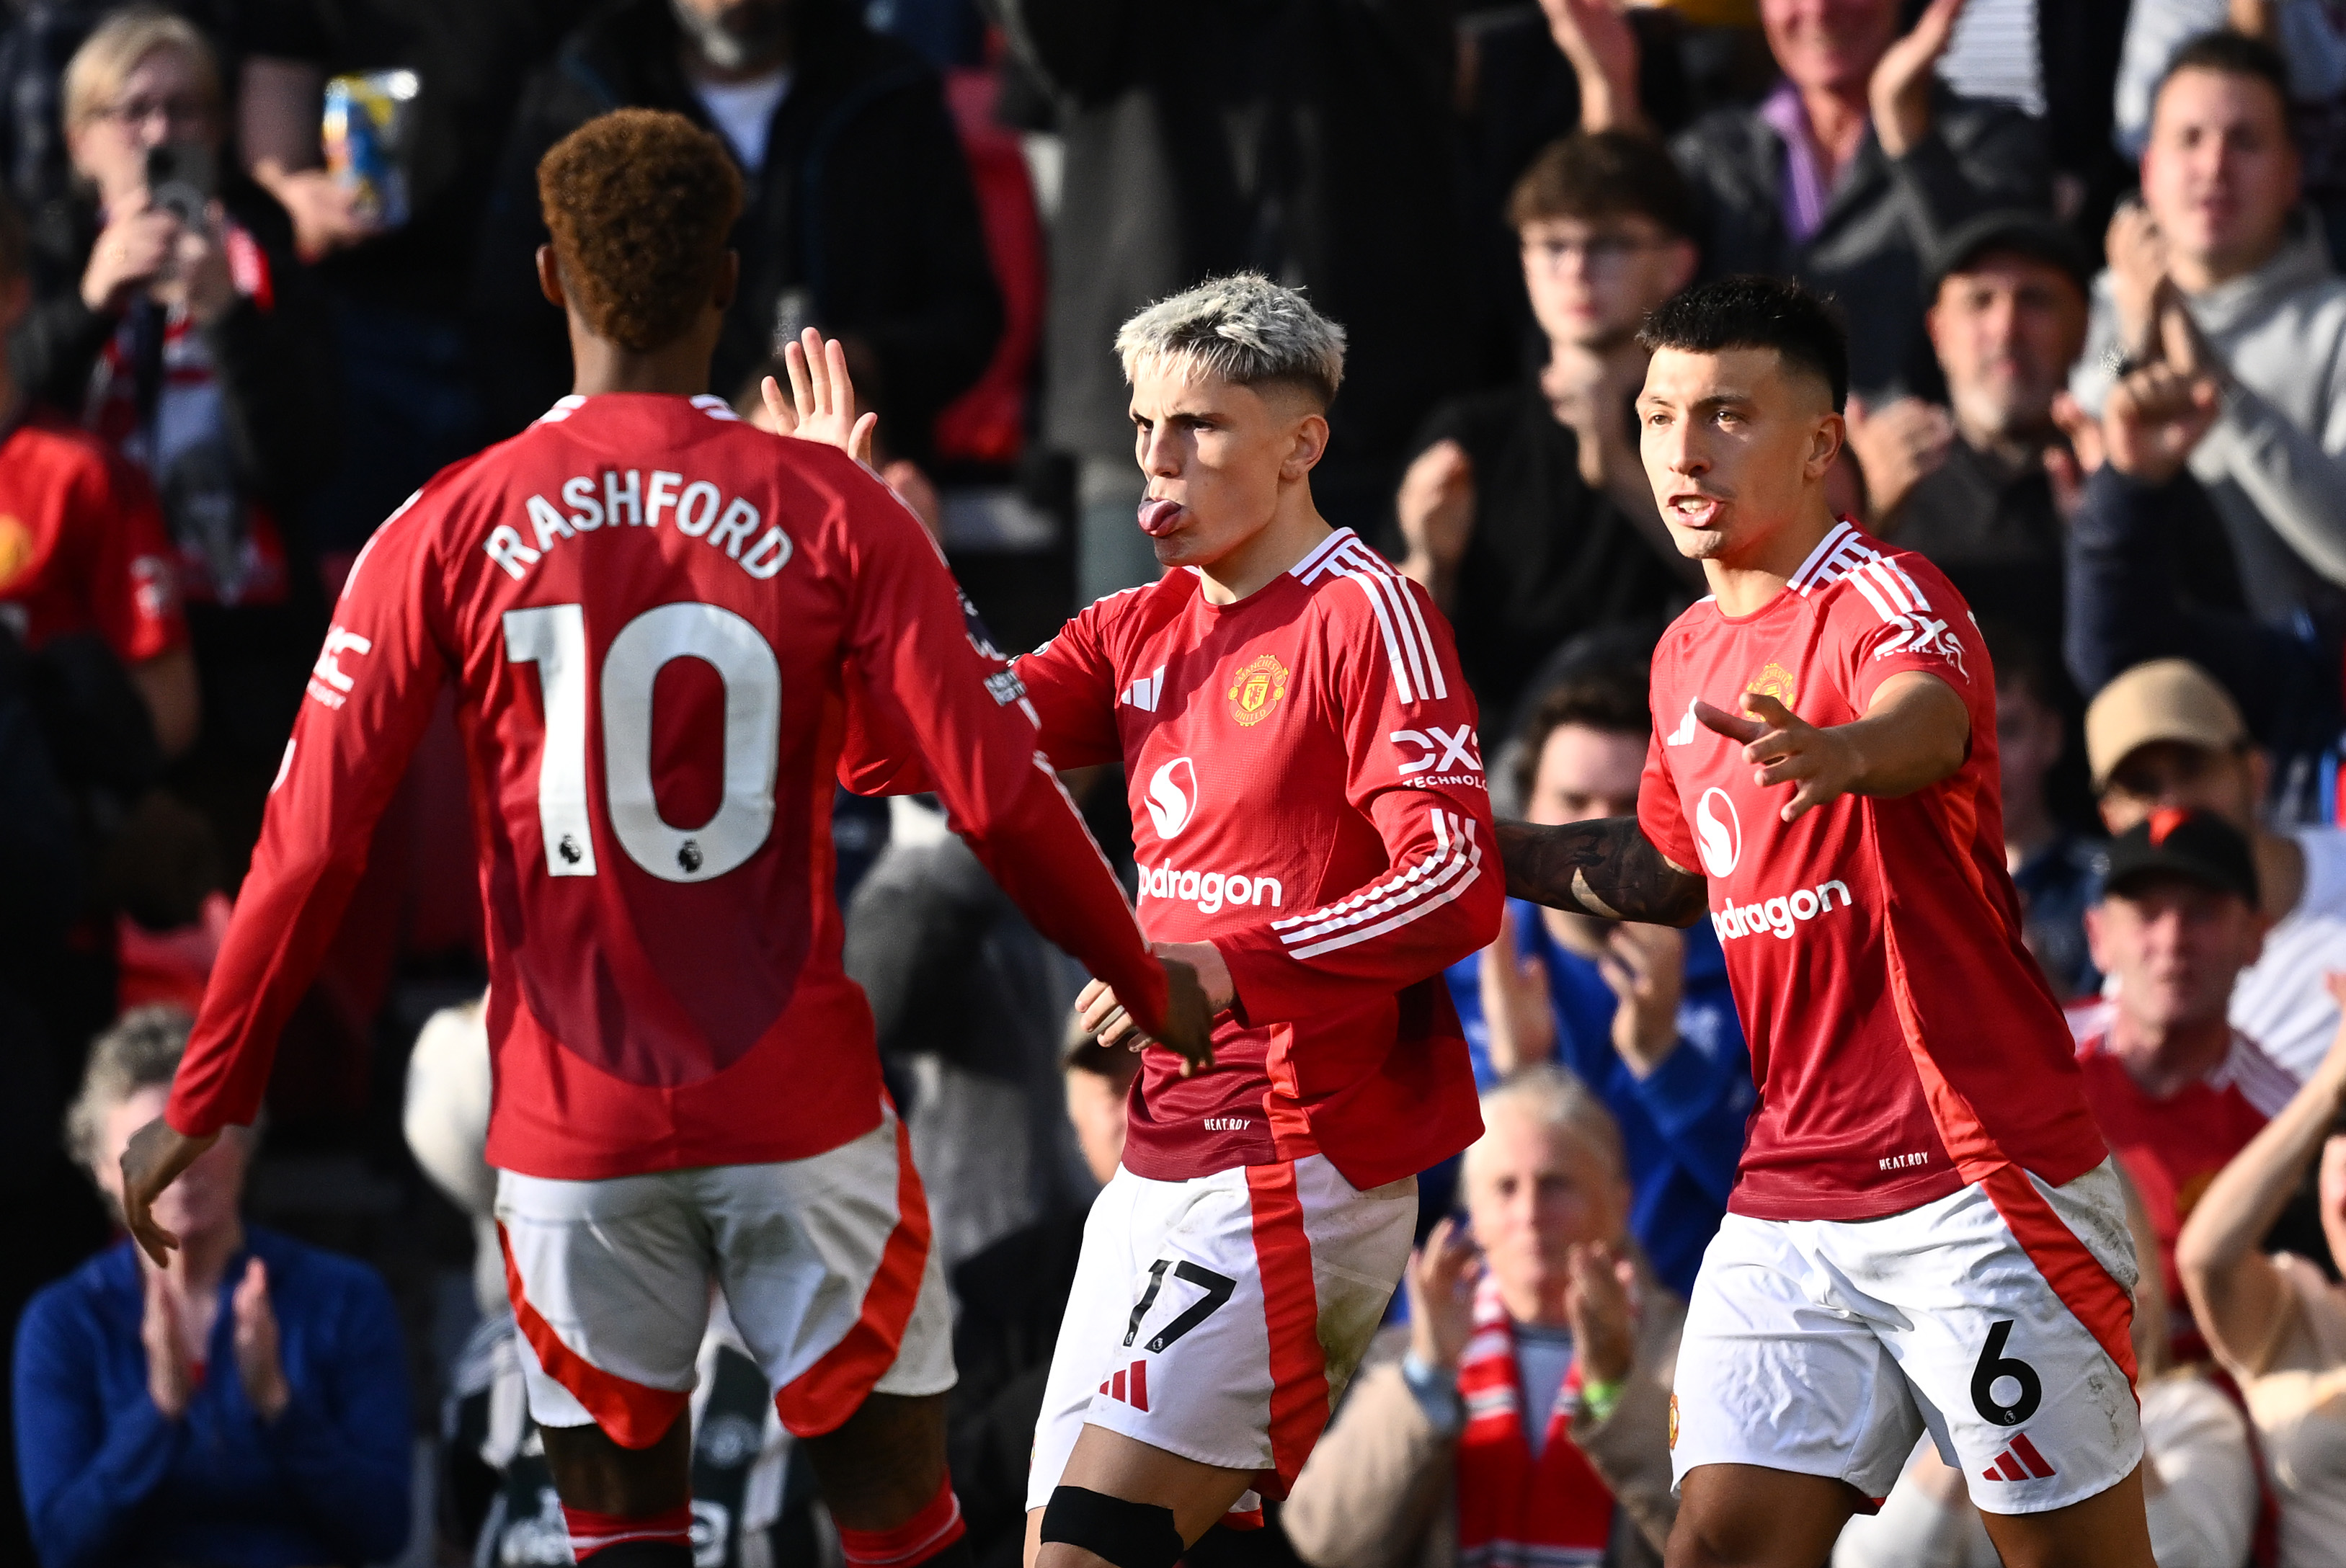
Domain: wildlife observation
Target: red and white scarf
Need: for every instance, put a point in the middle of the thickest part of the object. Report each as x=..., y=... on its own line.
x=1515, y=1511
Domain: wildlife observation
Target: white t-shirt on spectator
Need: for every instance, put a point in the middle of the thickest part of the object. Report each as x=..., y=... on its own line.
x=744, y=112
x=2280, y=1000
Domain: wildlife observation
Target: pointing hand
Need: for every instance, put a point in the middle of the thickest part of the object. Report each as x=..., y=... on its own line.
x=1789, y=750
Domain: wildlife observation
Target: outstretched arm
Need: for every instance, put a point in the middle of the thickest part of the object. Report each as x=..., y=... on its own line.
x=1604, y=867
x=1915, y=732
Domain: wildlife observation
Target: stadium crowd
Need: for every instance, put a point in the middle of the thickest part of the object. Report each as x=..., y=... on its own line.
x=267, y=265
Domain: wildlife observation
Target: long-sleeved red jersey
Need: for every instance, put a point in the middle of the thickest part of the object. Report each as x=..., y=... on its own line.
x=652, y=614
x=1307, y=795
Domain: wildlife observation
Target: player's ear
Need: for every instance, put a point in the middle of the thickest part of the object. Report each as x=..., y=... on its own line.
x=1826, y=439
x=550, y=279
x=1306, y=446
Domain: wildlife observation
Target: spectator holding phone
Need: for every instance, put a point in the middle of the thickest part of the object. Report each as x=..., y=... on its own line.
x=171, y=321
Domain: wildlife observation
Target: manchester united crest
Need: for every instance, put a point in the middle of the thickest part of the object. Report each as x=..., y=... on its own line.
x=1775, y=681
x=1257, y=690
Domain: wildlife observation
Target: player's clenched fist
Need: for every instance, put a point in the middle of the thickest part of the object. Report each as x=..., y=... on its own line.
x=1789, y=750
x=1196, y=987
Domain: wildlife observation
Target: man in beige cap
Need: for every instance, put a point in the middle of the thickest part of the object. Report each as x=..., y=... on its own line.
x=2164, y=734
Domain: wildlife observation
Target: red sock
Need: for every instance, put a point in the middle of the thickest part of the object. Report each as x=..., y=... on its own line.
x=918, y=1539
x=591, y=1532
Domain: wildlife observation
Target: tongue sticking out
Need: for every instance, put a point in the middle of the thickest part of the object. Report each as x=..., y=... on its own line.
x=1157, y=517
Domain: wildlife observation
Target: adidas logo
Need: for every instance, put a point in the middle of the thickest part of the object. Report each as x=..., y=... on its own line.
x=1134, y=1392
x=1684, y=734
x=2019, y=1461
x=1147, y=691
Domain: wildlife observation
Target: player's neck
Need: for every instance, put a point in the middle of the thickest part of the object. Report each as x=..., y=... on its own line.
x=680, y=369
x=1294, y=531
x=2162, y=1060
x=1746, y=581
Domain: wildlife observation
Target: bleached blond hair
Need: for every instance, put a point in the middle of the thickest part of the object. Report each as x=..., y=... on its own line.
x=1244, y=328
x=119, y=45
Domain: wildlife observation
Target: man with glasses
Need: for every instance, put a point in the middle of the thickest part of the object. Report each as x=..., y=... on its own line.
x=2164, y=734
x=1526, y=514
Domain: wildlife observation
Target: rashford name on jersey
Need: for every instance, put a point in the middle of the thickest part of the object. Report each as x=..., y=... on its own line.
x=1903, y=1039
x=1307, y=794
x=656, y=621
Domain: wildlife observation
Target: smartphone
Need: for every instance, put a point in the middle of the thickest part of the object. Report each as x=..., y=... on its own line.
x=181, y=178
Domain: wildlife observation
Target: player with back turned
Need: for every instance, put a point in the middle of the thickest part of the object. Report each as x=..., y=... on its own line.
x=656, y=620
x=1926, y=1232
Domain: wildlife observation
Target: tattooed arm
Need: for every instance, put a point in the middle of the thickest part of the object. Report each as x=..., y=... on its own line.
x=1604, y=867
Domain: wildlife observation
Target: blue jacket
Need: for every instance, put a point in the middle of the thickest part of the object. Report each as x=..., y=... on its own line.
x=1682, y=1127
x=107, y=1479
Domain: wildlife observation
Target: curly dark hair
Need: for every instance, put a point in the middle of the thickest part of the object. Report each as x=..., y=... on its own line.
x=639, y=202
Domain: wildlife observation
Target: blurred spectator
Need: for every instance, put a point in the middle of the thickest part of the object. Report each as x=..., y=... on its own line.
x=2311, y=37
x=1849, y=175
x=2165, y=735
x=2155, y=32
x=2054, y=865
x=1966, y=485
x=860, y=219
x=2277, y=1323
x=2202, y=1491
x=751, y=1505
x=82, y=544
x=2221, y=231
x=2177, y=1090
x=1528, y=1418
x=1526, y=513
x=200, y=353
x=1009, y=1299
x=38, y=37
x=968, y=1001
x=246, y=1406
x=1639, y=1014
x=1311, y=143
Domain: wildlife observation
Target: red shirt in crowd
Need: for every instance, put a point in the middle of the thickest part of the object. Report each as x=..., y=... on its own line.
x=2173, y=1148
x=655, y=618
x=1307, y=795
x=1903, y=1040
x=81, y=546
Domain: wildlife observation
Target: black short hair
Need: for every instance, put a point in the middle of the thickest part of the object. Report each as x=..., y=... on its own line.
x=2229, y=54
x=1604, y=174
x=1749, y=312
x=1608, y=697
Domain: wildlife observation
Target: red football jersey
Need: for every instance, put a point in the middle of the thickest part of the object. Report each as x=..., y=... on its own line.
x=651, y=613
x=82, y=545
x=1903, y=1039
x=2172, y=1148
x=1308, y=796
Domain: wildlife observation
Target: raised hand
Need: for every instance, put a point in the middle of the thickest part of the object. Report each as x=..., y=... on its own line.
x=2156, y=416
x=259, y=1364
x=171, y=1382
x=2139, y=281
x=1517, y=1005
x=1436, y=508
x=822, y=405
x=1600, y=1298
x=1645, y=966
x=151, y=1161
x=1900, y=91
x=134, y=249
x=1440, y=1280
x=1897, y=447
x=1598, y=40
x=1788, y=750
x=2069, y=469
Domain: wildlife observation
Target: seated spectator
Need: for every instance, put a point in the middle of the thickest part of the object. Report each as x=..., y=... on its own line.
x=1966, y=485
x=1639, y=1014
x=2277, y=1323
x=200, y=353
x=245, y=1405
x=1522, y=1415
x=860, y=217
x=2054, y=867
x=2165, y=735
x=2177, y=1090
x=1528, y=513
x=2221, y=230
x=82, y=544
x=2206, y=1503
x=1849, y=176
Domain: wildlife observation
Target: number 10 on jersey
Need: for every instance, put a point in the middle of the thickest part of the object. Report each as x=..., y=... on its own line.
x=553, y=638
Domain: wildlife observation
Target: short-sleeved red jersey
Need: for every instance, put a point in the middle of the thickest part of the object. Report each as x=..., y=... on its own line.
x=652, y=614
x=1307, y=795
x=82, y=545
x=1903, y=1039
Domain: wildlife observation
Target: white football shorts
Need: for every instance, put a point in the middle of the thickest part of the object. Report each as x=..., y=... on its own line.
x=825, y=1262
x=1996, y=1318
x=1220, y=1318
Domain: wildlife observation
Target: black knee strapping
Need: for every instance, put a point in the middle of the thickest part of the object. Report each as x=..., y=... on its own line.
x=1128, y=1534
x=642, y=1554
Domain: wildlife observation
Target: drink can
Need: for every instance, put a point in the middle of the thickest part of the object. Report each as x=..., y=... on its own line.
x=367, y=117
